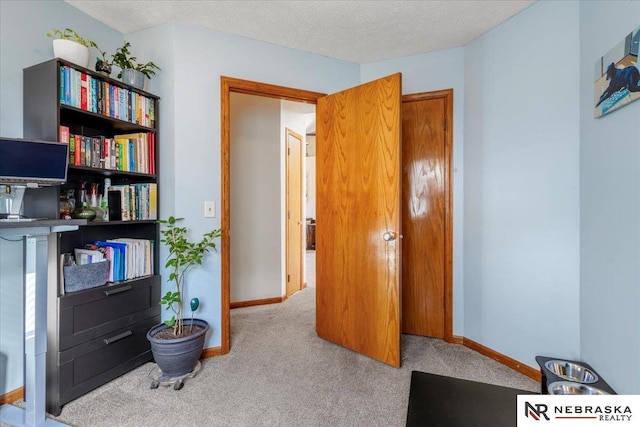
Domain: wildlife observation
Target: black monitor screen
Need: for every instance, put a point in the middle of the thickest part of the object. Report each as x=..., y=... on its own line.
x=25, y=161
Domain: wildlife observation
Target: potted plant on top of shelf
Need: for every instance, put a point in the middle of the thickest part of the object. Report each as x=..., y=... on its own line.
x=132, y=72
x=103, y=66
x=177, y=343
x=70, y=46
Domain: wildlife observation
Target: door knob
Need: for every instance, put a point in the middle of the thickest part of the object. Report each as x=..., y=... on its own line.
x=388, y=236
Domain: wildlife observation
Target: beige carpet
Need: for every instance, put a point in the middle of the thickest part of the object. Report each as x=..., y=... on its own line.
x=279, y=373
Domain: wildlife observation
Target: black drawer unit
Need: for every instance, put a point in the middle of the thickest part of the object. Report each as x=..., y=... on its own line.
x=92, y=313
x=97, y=335
x=93, y=363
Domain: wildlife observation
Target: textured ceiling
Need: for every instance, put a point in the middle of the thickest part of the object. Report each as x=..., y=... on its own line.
x=356, y=31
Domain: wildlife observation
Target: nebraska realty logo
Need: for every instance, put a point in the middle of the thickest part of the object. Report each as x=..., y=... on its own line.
x=546, y=410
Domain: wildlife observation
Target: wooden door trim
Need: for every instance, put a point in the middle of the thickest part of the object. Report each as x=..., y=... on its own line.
x=447, y=94
x=299, y=207
x=228, y=85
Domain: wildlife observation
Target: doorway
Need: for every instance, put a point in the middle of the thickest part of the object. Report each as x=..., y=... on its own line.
x=229, y=85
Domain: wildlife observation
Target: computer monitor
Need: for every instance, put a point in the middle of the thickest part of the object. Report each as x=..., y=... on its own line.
x=33, y=163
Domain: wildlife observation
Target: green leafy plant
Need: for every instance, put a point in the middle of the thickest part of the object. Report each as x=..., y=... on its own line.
x=124, y=59
x=103, y=54
x=69, y=34
x=183, y=255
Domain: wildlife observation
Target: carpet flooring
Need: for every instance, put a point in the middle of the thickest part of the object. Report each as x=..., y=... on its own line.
x=279, y=373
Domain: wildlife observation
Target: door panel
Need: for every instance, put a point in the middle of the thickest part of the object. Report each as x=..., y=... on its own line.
x=423, y=217
x=294, y=212
x=358, y=200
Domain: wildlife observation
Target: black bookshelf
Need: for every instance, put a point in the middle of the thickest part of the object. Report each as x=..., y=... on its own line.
x=97, y=334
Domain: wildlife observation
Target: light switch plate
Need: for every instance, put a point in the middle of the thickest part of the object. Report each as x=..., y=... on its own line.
x=209, y=209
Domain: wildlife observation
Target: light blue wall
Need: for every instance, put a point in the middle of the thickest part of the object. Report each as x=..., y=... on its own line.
x=162, y=52
x=610, y=209
x=425, y=73
x=521, y=204
x=194, y=88
x=23, y=42
x=525, y=136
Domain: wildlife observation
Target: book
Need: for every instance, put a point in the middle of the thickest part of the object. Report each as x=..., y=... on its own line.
x=87, y=256
x=62, y=88
x=64, y=134
x=139, y=256
x=67, y=85
x=153, y=201
x=152, y=153
x=78, y=151
x=131, y=249
x=72, y=149
x=96, y=148
x=106, y=108
x=119, y=258
x=83, y=91
x=94, y=95
x=122, y=153
x=133, y=203
x=137, y=157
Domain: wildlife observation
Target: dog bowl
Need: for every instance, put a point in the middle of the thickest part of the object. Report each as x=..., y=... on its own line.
x=568, y=387
x=571, y=371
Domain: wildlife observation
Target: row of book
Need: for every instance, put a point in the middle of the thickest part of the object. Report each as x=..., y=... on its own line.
x=136, y=202
x=132, y=152
x=80, y=90
x=129, y=258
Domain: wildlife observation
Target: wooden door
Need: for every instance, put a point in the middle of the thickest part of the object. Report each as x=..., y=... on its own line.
x=294, y=219
x=424, y=210
x=358, y=136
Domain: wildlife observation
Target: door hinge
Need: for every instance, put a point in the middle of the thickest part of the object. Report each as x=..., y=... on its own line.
x=288, y=151
x=288, y=277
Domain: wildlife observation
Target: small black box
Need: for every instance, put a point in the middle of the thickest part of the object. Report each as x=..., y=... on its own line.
x=115, y=206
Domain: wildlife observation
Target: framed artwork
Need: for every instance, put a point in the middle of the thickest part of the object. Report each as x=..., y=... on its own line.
x=617, y=76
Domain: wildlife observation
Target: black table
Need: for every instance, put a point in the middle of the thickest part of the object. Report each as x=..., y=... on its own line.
x=438, y=401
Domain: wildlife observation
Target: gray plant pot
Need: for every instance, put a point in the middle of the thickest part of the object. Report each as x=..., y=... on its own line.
x=177, y=356
x=133, y=78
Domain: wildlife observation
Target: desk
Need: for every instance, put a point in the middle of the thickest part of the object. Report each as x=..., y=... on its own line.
x=35, y=237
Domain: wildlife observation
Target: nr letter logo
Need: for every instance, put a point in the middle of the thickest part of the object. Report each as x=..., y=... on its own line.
x=536, y=411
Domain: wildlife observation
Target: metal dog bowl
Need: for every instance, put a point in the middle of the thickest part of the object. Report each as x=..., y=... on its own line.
x=571, y=371
x=568, y=387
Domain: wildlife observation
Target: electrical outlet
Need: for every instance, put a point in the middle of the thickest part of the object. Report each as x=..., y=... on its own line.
x=209, y=209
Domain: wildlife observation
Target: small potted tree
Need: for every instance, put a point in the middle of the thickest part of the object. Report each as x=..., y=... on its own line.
x=132, y=72
x=70, y=46
x=177, y=343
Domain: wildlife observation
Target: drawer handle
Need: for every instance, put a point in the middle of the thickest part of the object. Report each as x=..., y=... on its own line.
x=117, y=291
x=118, y=337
